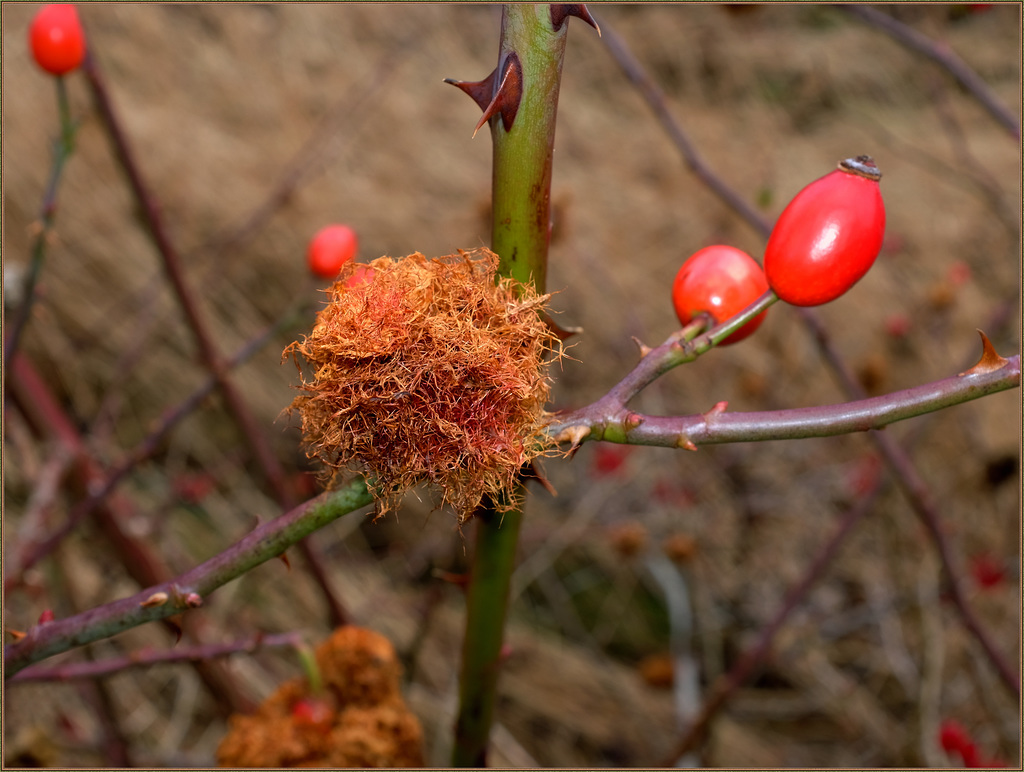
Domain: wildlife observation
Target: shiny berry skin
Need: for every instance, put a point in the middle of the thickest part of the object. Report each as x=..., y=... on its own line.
x=721, y=281
x=828, y=236
x=330, y=249
x=57, y=39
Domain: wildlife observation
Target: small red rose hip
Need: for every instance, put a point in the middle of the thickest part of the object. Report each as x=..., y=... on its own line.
x=330, y=249
x=828, y=236
x=57, y=39
x=721, y=281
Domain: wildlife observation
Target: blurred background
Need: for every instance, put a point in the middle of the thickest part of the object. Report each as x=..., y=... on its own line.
x=255, y=125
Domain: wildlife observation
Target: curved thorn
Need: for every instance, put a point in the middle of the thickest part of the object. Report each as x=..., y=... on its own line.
x=562, y=333
x=644, y=348
x=480, y=91
x=561, y=11
x=990, y=360
x=508, y=95
x=685, y=443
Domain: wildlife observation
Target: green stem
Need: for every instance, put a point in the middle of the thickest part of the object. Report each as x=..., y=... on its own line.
x=521, y=189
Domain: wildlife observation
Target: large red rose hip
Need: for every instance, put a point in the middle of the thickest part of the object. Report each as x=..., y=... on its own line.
x=720, y=281
x=56, y=38
x=828, y=236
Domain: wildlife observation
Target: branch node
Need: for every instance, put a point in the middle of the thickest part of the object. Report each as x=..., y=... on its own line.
x=631, y=421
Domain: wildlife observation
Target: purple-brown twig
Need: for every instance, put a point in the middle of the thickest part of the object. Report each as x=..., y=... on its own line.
x=239, y=410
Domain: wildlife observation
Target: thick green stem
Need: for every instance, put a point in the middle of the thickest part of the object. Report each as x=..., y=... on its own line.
x=532, y=51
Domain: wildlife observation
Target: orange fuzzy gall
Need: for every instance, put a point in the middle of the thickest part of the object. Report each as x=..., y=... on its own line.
x=433, y=371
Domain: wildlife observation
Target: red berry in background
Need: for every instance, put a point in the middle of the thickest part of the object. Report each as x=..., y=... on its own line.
x=609, y=459
x=331, y=248
x=953, y=737
x=987, y=572
x=361, y=274
x=828, y=236
x=721, y=281
x=313, y=712
x=57, y=39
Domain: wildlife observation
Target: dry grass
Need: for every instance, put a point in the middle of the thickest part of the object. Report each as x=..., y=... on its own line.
x=218, y=100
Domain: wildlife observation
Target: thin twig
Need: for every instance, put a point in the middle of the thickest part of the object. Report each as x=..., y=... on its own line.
x=942, y=55
x=897, y=460
x=191, y=589
x=145, y=658
x=62, y=149
x=32, y=552
x=211, y=358
x=748, y=661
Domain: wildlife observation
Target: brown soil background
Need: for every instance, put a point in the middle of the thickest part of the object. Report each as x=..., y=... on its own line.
x=219, y=100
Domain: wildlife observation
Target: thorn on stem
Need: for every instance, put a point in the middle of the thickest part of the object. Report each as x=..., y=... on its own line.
x=284, y=559
x=990, y=360
x=685, y=443
x=507, y=97
x=537, y=474
x=562, y=333
x=480, y=91
x=717, y=409
x=561, y=11
x=644, y=349
x=496, y=98
x=16, y=635
x=575, y=434
x=154, y=600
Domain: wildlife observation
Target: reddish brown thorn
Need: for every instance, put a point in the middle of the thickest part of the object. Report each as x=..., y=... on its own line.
x=990, y=361
x=481, y=91
x=535, y=473
x=172, y=622
x=508, y=96
x=562, y=333
x=16, y=635
x=561, y=11
x=286, y=561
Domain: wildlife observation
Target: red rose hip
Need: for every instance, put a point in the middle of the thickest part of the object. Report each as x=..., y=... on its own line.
x=331, y=248
x=828, y=236
x=721, y=281
x=57, y=39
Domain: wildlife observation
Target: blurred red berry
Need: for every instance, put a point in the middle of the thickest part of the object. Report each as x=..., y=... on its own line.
x=57, y=39
x=361, y=275
x=313, y=712
x=46, y=616
x=897, y=325
x=608, y=459
x=959, y=273
x=192, y=487
x=331, y=248
x=953, y=737
x=987, y=571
